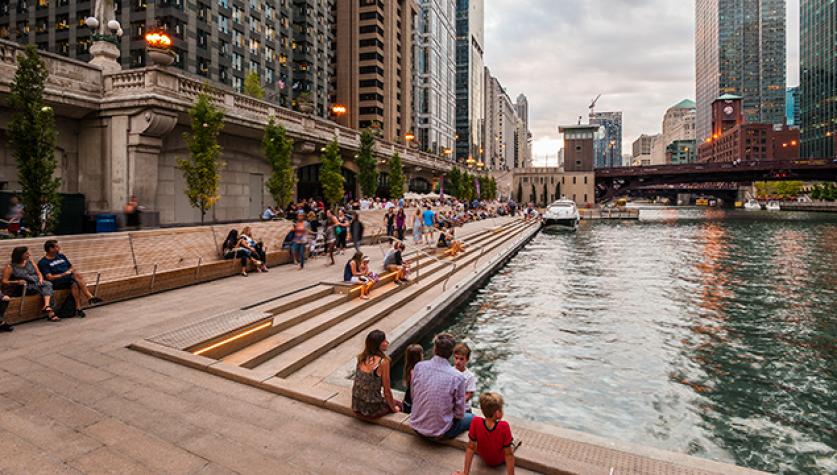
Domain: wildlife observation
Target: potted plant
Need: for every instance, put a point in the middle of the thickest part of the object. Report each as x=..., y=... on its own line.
x=305, y=103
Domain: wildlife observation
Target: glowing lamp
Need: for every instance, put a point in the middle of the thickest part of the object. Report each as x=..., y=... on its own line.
x=158, y=39
x=338, y=110
x=410, y=137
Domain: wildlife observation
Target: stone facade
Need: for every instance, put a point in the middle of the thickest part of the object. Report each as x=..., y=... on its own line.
x=121, y=133
x=550, y=184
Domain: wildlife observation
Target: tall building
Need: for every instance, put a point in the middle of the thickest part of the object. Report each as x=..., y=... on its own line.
x=608, y=149
x=792, y=109
x=501, y=122
x=740, y=50
x=374, y=58
x=678, y=125
x=818, y=77
x=289, y=46
x=435, y=76
x=522, y=107
x=470, y=80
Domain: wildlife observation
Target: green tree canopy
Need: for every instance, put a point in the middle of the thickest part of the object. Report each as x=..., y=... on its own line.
x=202, y=170
x=331, y=174
x=396, y=176
x=32, y=142
x=367, y=164
x=253, y=85
x=453, y=183
x=520, y=192
x=278, y=150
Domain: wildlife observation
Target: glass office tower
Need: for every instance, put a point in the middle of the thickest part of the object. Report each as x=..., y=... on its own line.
x=740, y=49
x=818, y=77
x=470, y=80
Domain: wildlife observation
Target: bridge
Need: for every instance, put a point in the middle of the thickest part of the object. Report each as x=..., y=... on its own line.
x=613, y=182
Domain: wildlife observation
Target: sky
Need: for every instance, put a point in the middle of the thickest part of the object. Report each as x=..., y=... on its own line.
x=639, y=54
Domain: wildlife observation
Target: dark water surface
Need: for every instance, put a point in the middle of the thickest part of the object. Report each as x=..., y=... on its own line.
x=707, y=332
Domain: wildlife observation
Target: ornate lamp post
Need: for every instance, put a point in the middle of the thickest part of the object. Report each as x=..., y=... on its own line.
x=158, y=46
x=106, y=34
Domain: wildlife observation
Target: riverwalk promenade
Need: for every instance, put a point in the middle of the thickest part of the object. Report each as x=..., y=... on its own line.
x=76, y=398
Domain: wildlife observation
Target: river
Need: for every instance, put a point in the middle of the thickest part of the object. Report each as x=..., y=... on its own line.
x=702, y=331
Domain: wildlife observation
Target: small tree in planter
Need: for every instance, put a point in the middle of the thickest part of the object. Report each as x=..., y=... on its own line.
x=278, y=150
x=520, y=192
x=202, y=169
x=367, y=164
x=253, y=85
x=396, y=177
x=331, y=174
x=453, y=183
x=32, y=143
x=305, y=102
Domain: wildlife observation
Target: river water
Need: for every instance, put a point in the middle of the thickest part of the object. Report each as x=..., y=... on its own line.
x=702, y=331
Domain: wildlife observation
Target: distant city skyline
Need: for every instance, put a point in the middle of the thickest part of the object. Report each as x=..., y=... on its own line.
x=641, y=57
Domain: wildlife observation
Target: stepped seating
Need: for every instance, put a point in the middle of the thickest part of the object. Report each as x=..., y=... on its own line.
x=304, y=329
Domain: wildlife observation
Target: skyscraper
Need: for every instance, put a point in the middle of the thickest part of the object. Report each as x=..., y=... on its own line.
x=501, y=121
x=470, y=80
x=221, y=40
x=818, y=77
x=435, y=75
x=608, y=148
x=374, y=53
x=522, y=107
x=792, y=106
x=740, y=50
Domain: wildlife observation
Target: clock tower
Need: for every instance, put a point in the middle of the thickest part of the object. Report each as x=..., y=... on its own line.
x=726, y=114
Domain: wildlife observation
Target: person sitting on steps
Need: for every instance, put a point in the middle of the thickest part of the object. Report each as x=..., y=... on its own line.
x=24, y=278
x=394, y=262
x=57, y=269
x=353, y=272
x=371, y=390
x=232, y=250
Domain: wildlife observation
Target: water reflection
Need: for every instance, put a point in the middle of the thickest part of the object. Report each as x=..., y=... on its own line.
x=706, y=332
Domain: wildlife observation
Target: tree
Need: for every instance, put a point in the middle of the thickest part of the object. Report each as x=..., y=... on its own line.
x=367, y=164
x=331, y=174
x=468, y=189
x=278, y=150
x=534, y=194
x=32, y=142
x=202, y=169
x=396, y=177
x=453, y=183
x=558, y=191
x=519, y=192
x=816, y=192
x=253, y=85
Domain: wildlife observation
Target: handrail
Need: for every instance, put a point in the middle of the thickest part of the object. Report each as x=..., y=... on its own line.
x=418, y=267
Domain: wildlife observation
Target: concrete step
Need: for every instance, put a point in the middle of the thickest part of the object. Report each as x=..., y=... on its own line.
x=298, y=325
x=292, y=359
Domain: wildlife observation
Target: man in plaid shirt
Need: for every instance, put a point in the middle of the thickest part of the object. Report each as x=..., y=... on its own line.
x=438, y=392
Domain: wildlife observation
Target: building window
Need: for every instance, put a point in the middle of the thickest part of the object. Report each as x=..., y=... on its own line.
x=573, y=184
x=585, y=182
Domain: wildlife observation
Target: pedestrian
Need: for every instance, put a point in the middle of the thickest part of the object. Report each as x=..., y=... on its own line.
x=400, y=223
x=389, y=222
x=301, y=231
x=357, y=230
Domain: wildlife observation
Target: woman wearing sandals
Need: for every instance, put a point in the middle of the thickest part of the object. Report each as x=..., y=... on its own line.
x=371, y=391
x=23, y=278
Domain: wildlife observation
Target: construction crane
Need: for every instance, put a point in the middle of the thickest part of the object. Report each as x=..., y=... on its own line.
x=593, y=104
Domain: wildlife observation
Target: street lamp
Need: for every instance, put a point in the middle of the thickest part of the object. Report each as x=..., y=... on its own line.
x=409, y=137
x=338, y=110
x=158, y=45
x=470, y=162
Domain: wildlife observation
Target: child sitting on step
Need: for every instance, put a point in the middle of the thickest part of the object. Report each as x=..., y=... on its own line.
x=490, y=437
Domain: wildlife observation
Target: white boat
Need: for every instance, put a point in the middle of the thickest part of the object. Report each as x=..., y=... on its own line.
x=752, y=205
x=773, y=206
x=561, y=214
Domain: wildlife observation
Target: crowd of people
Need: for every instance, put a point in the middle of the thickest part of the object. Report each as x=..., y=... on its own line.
x=53, y=271
x=438, y=397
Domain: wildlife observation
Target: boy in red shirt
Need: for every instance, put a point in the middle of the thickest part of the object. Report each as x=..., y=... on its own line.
x=490, y=437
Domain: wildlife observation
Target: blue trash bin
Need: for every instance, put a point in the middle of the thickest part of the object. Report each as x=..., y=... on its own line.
x=106, y=223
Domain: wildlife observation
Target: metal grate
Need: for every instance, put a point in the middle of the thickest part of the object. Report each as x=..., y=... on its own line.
x=195, y=333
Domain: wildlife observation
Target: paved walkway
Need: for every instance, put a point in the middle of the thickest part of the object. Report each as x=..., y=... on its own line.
x=74, y=399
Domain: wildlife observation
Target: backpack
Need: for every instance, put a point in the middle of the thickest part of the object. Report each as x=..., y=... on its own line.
x=67, y=308
x=347, y=272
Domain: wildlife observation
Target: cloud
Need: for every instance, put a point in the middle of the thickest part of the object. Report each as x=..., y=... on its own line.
x=639, y=54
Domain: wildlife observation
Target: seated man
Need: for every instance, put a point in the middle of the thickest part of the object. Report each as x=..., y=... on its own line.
x=438, y=392
x=269, y=214
x=56, y=268
x=394, y=262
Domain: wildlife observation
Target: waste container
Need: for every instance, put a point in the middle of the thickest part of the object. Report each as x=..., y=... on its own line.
x=105, y=223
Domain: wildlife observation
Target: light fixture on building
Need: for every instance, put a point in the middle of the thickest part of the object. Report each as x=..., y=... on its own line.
x=338, y=110
x=158, y=46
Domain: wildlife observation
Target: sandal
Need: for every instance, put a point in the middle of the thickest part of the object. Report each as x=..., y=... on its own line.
x=50, y=314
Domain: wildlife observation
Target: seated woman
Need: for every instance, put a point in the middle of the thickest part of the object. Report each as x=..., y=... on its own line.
x=448, y=241
x=257, y=250
x=353, y=272
x=232, y=250
x=22, y=276
x=394, y=262
x=371, y=390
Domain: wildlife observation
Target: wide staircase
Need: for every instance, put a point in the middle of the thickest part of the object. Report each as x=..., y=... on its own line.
x=279, y=337
x=124, y=265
